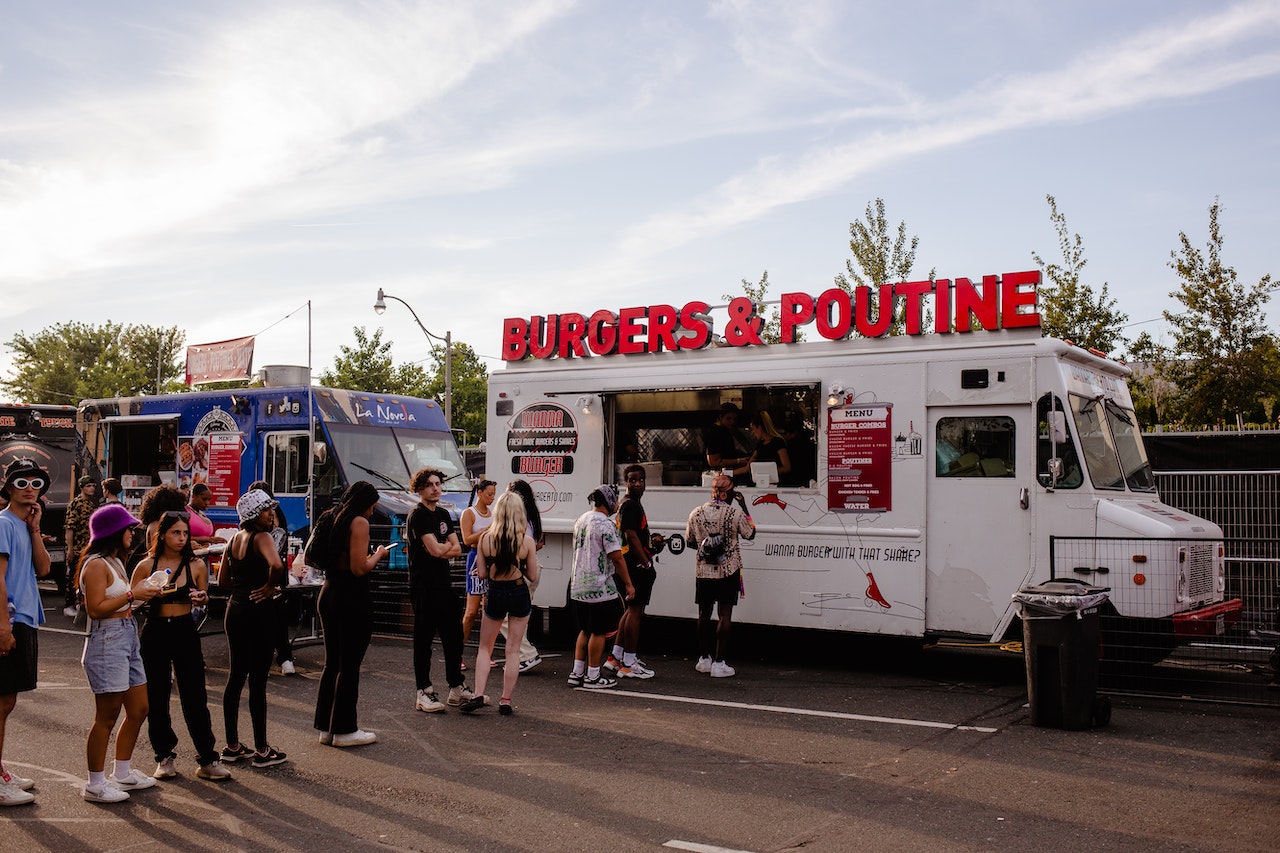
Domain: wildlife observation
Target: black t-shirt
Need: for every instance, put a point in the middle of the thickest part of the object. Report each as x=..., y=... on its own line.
x=425, y=570
x=720, y=442
x=804, y=461
x=631, y=517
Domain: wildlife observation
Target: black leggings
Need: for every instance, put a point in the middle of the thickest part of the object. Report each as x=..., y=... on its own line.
x=250, y=630
x=436, y=611
x=347, y=617
x=173, y=642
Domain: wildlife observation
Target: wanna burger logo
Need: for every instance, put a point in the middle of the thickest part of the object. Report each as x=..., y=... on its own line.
x=542, y=440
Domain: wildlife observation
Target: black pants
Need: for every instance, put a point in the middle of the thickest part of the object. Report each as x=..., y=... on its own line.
x=436, y=611
x=172, y=642
x=250, y=630
x=347, y=618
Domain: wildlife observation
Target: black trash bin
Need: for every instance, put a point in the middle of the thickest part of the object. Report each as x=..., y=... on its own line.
x=1060, y=644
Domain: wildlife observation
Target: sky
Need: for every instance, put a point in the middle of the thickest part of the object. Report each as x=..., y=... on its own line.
x=218, y=165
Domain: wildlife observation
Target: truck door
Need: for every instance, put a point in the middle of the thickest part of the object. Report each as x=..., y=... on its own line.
x=978, y=515
x=286, y=462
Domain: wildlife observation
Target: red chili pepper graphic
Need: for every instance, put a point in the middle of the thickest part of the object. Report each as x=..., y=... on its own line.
x=770, y=498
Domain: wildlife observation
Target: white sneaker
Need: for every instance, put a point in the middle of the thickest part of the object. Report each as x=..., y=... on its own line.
x=135, y=781
x=71, y=612
x=165, y=769
x=703, y=665
x=103, y=792
x=12, y=795
x=215, y=770
x=326, y=738
x=357, y=738
x=526, y=665
x=720, y=669
x=19, y=782
x=459, y=694
x=428, y=703
x=636, y=670
x=287, y=668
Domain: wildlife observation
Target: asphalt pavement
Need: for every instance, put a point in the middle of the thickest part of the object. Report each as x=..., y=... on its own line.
x=818, y=744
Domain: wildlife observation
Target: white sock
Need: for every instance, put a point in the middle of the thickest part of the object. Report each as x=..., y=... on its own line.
x=97, y=777
x=593, y=672
x=618, y=652
x=629, y=658
x=579, y=667
x=123, y=768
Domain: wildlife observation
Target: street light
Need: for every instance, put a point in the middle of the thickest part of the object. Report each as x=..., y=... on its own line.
x=381, y=306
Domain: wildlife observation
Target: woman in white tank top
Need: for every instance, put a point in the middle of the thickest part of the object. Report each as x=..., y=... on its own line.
x=473, y=522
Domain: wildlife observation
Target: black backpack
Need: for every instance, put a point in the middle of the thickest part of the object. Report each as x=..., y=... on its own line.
x=318, y=552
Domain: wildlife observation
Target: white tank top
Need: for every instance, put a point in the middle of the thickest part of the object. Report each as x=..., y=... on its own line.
x=481, y=521
x=119, y=583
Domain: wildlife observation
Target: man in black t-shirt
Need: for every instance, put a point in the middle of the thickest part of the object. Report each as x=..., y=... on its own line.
x=636, y=550
x=433, y=541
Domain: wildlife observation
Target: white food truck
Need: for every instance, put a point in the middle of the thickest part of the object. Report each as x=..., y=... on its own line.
x=936, y=472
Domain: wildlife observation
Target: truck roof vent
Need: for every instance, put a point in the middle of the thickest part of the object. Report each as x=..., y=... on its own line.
x=283, y=375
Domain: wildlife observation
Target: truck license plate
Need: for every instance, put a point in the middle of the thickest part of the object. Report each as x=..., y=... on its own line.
x=1221, y=623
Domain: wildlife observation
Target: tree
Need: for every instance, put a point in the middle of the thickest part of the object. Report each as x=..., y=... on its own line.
x=770, y=333
x=1228, y=361
x=367, y=366
x=470, y=389
x=1069, y=309
x=881, y=260
x=70, y=362
x=1149, y=385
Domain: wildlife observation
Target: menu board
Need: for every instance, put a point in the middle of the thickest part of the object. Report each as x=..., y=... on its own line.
x=860, y=458
x=224, y=468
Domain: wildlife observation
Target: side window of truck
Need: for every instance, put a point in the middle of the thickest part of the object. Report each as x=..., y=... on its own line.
x=286, y=462
x=1072, y=475
x=975, y=446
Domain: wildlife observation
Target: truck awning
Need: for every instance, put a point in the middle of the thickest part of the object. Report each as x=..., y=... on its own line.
x=138, y=419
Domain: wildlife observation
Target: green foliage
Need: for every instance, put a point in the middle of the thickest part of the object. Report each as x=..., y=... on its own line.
x=1228, y=362
x=1069, y=308
x=367, y=366
x=882, y=260
x=770, y=333
x=470, y=389
x=70, y=362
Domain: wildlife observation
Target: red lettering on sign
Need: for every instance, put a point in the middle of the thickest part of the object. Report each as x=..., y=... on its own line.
x=542, y=336
x=515, y=338
x=972, y=304
x=697, y=331
x=796, y=310
x=631, y=331
x=602, y=333
x=573, y=328
x=1014, y=297
x=835, y=326
x=884, y=311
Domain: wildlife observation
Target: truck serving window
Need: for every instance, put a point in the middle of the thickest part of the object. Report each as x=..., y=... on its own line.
x=668, y=430
x=975, y=446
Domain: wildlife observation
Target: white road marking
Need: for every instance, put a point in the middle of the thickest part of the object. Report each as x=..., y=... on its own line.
x=801, y=712
x=701, y=848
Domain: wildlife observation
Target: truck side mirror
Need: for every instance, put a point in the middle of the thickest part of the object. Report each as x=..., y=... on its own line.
x=1058, y=427
x=1055, y=471
x=320, y=452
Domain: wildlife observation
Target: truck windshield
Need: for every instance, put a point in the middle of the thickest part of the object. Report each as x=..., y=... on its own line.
x=387, y=456
x=1112, y=446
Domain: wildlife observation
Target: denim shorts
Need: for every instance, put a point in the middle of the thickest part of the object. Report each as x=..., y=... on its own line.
x=112, y=656
x=507, y=598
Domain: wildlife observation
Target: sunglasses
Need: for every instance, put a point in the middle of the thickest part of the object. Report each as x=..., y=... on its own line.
x=23, y=483
x=179, y=514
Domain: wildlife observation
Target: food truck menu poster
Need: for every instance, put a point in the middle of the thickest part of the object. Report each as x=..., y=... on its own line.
x=224, y=468
x=860, y=458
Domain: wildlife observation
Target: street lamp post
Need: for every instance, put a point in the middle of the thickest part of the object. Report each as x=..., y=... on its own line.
x=381, y=305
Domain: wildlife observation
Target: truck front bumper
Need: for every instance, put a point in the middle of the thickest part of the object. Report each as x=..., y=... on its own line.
x=1211, y=621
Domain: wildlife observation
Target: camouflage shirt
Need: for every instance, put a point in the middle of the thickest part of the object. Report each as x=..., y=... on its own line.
x=78, y=512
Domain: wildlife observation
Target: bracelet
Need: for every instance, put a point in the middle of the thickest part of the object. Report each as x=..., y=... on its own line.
x=129, y=597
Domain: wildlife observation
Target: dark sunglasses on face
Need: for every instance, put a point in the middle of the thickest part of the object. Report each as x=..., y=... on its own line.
x=173, y=513
x=23, y=482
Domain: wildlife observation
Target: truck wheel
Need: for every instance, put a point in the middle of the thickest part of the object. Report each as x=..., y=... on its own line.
x=1101, y=711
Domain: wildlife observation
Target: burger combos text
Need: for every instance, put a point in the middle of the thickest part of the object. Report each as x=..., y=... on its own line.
x=962, y=305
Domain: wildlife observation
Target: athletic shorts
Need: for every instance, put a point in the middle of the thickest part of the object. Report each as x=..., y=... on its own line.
x=18, y=668
x=507, y=598
x=643, y=581
x=476, y=585
x=719, y=591
x=112, y=658
x=600, y=617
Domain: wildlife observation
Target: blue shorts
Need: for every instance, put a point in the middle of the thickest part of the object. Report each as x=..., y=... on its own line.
x=476, y=585
x=112, y=656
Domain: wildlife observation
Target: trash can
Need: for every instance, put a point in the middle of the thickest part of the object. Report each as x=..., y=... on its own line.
x=1060, y=645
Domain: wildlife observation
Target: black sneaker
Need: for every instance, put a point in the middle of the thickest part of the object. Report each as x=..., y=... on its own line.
x=233, y=755
x=599, y=683
x=475, y=703
x=270, y=758
x=505, y=709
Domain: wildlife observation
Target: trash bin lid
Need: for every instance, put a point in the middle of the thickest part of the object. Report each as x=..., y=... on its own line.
x=1060, y=596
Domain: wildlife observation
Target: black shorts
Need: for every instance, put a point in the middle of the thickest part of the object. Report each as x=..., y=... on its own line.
x=719, y=591
x=643, y=581
x=598, y=618
x=18, y=668
x=507, y=598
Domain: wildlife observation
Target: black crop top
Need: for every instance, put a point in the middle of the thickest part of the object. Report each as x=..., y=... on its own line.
x=182, y=594
x=249, y=572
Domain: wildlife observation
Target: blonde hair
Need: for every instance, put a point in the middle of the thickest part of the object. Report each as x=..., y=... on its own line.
x=762, y=420
x=507, y=531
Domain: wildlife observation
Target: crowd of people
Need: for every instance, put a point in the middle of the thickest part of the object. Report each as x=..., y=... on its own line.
x=119, y=563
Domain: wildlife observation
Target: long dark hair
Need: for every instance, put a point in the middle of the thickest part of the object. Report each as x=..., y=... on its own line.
x=169, y=519
x=355, y=500
x=525, y=491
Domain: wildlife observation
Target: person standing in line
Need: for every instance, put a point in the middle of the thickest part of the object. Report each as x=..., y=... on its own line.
x=155, y=503
x=23, y=558
x=201, y=524
x=251, y=567
x=76, y=536
x=111, y=491
x=171, y=645
x=507, y=558
x=719, y=569
x=597, y=558
x=433, y=542
x=634, y=526
x=112, y=660
x=284, y=605
x=346, y=615
x=528, y=653
x=475, y=518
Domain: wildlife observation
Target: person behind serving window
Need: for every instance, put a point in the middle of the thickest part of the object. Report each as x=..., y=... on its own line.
x=112, y=658
x=171, y=650
x=722, y=441
x=770, y=447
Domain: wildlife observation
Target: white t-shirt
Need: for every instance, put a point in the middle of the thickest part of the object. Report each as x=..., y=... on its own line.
x=595, y=537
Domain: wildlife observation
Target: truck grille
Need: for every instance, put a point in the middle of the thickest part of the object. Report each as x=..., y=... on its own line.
x=1201, y=582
